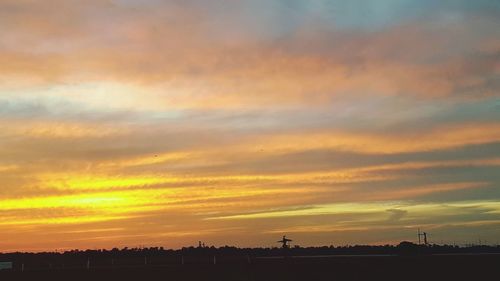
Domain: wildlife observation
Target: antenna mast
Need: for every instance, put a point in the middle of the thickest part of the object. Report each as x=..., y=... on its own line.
x=419, y=242
x=420, y=235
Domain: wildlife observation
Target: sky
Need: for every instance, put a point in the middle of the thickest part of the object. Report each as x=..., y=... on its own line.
x=162, y=123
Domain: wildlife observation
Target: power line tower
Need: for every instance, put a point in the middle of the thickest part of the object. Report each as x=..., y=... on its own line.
x=420, y=236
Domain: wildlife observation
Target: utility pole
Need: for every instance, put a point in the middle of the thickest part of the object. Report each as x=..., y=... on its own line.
x=420, y=235
x=419, y=242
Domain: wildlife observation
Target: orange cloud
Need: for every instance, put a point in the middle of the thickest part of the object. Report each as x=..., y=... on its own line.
x=202, y=70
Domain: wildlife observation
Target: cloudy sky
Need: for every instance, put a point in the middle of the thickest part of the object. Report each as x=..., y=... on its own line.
x=161, y=123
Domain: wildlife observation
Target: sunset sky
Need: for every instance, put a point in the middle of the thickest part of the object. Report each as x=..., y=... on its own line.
x=162, y=123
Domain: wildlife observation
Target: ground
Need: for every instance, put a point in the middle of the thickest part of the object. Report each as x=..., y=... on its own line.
x=437, y=267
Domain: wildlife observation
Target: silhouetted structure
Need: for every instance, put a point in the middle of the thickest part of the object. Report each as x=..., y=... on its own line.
x=424, y=235
x=284, y=242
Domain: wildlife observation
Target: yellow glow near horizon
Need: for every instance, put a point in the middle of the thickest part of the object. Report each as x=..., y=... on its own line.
x=376, y=208
x=74, y=181
x=97, y=182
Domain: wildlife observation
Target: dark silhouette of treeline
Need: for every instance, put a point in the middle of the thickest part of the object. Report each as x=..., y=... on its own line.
x=406, y=261
x=404, y=248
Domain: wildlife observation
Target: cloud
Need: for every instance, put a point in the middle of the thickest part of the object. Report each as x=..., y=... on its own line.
x=396, y=214
x=200, y=69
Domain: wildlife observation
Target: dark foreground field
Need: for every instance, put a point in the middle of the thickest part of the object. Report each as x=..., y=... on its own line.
x=445, y=267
